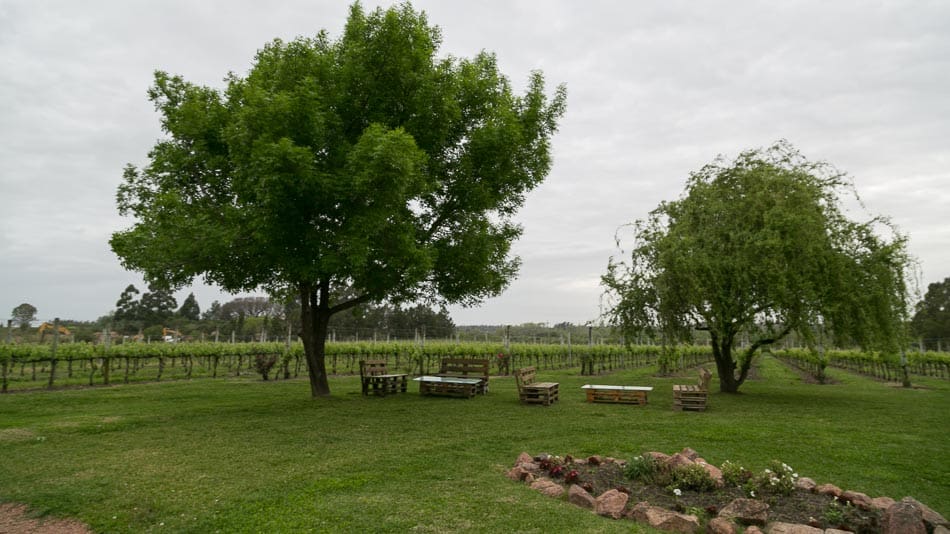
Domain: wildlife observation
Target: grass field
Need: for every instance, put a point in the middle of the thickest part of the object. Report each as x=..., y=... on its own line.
x=241, y=455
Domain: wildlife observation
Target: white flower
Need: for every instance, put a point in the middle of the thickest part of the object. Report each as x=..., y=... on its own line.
x=794, y=475
x=751, y=493
x=677, y=492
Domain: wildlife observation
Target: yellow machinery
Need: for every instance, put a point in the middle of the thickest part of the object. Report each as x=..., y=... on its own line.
x=171, y=335
x=48, y=327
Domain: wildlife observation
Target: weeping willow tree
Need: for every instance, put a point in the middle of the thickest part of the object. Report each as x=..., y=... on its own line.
x=758, y=248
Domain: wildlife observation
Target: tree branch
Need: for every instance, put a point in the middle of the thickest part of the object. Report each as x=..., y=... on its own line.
x=350, y=303
x=747, y=357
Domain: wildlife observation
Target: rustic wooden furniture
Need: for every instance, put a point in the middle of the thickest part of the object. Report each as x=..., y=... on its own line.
x=532, y=392
x=466, y=368
x=375, y=376
x=617, y=394
x=448, y=386
x=692, y=397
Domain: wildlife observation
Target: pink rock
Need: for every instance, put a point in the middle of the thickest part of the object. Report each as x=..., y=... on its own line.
x=674, y=522
x=903, y=518
x=746, y=511
x=882, y=503
x=658, y=456
x=805, y=483
x=714, y=473
x=548, y=487
x=638, y=511
x=689, y=453
x=678, y=460
x=828, y=489
x=531, y=467
x=516, y=474
x=524, y=458
x=611, y=503
x=529, y=478
x=663, y=519
x=720, y=525
x=858, y=499
x=932, y=518
x=579, y=496
x=792, y=528
x=836, y=531
x=753, y=530
x=594, y=460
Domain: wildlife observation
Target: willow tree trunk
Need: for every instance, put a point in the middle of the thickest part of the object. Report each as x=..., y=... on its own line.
x=725, y=365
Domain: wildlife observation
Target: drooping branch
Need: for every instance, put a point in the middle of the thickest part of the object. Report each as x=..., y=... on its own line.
x=756, y=345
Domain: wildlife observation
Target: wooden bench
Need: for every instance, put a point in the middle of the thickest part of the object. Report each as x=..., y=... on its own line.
x=466, y=368
x=448, y=386
x=617, y=394
x=375, y=376
x=693, y=397
x=532, y=392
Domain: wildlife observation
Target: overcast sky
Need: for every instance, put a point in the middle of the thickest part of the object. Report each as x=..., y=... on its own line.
x=655, y=90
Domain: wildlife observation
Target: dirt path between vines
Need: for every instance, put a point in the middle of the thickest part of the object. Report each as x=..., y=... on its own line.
x=15, y=519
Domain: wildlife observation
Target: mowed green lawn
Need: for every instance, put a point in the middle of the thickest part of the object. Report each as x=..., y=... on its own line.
x=241, y=455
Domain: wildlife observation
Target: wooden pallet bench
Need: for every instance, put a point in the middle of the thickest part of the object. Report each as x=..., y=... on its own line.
x=693, y=397
x=375, y=377
x=466, y=368
x=447, y=386
x=617, y=394
x=532, y=392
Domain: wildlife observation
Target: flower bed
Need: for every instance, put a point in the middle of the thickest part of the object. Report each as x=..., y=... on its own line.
x=683, y=493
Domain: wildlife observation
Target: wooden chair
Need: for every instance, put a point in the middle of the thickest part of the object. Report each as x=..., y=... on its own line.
x=531, y=392
x=466, y=368
x=693, y=397
x=375, y=375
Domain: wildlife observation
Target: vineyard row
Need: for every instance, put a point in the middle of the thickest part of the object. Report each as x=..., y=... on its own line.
x=33, y=366
x=873, y=364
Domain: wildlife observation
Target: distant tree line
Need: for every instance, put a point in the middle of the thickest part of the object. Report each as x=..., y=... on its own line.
x=248, y=317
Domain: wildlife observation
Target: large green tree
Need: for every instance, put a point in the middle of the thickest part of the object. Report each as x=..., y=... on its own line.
x=128, y=314
x=758, y=248
x=362, y=166
x=190, y=309
x=931, y=321
x=23, y=315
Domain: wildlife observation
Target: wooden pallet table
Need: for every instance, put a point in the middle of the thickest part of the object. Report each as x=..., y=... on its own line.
x=689, y=398
x=617, y=394
x=448, y=386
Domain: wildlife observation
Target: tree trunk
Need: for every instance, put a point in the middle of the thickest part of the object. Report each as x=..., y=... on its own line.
x=725, y=365
x=315, y=316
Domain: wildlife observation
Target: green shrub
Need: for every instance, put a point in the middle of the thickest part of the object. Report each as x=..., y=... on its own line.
x=779, y=479
x=644, y=468
x=692, y=477
x=734, y=474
